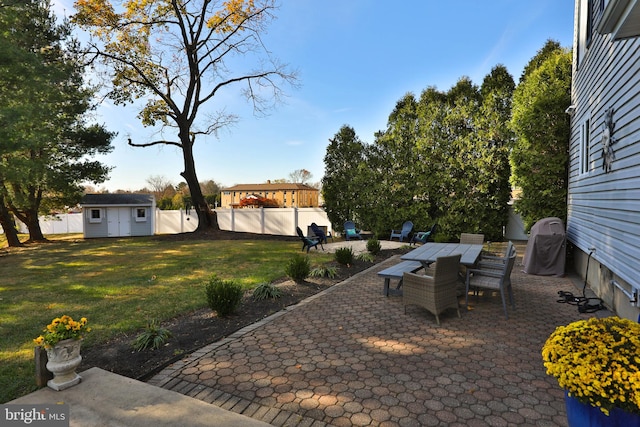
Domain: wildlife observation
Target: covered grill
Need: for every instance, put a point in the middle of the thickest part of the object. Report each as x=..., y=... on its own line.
x=546, y=249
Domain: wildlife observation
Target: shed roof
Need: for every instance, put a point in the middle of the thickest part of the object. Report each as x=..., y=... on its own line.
x=117, y=199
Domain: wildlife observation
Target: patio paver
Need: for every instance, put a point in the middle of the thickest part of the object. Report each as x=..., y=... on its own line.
x=350, y=356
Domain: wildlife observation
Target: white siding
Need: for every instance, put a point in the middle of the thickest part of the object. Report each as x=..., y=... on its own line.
x=603, y=208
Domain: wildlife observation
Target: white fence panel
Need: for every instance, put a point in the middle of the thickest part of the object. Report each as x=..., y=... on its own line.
x=224, y=218
x=278, y=221
x=247, y=220
x=306, y=216
x=173, y=222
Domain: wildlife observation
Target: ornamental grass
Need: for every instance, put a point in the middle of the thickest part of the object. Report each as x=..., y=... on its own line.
x=597, y=361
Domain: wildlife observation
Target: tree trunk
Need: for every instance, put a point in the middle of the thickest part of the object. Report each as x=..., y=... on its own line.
x=8, y=225
x=207, y=219
x=32, y=222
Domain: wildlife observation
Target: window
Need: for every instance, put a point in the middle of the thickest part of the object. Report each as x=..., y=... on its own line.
x=585, y=29
x=140, y=214
x=95, y=215
x=585, y=142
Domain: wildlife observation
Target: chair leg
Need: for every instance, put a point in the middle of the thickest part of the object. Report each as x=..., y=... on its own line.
x=504, y=303
x=437, y=320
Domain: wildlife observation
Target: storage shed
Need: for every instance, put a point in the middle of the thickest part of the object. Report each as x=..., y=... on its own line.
x=118, y=215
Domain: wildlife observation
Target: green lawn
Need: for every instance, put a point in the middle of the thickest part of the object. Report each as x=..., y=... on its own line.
x=118, y=284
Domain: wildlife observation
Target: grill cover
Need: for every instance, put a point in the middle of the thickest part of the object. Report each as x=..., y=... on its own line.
x=546, y=253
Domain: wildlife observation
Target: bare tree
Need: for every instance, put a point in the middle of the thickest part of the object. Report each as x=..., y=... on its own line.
x=160, y=186
x=177, y=55
x=300, y=176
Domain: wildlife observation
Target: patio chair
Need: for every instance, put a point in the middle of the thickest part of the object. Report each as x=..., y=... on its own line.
x=350, y=231
x=435, y=293
x=493, y=279
x=472, y=239
x=469, y=239
x=308, y=242
x=319, y=233
x=423, y=236
x=401, y=234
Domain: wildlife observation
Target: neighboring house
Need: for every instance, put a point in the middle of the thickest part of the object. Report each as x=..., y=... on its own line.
x=287, y=194
x=117, y=215
x=604, y=176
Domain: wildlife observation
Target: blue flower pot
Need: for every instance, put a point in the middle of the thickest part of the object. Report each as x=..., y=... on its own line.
x=584, y=415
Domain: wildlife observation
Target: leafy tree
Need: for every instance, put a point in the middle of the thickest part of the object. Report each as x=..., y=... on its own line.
x=180, y=56
x=443, y=158
x=345, y=155
x=390, y=194
x=258, y=202
x=43, y=100
x=540, y=157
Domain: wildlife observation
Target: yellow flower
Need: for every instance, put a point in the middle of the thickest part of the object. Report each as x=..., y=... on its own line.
x=597, y=361
x=62, y=328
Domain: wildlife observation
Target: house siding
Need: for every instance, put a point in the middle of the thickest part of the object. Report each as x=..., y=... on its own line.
x=603, y=207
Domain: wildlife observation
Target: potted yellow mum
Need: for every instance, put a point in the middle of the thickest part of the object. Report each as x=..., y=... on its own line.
x=597, y=362
x=62, y=339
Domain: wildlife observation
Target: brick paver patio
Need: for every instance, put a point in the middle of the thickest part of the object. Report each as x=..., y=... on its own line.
x=350, y=356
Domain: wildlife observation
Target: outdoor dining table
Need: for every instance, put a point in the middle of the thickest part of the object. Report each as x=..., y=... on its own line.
x=431, y=251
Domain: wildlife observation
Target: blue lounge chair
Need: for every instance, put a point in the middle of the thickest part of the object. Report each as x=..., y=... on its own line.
x=319, y=233
x=350, y=231
x=404, y=233
x=423, y=236
x=308, y=242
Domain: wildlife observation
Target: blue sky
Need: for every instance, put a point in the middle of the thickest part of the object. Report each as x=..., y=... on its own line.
x=356, y=59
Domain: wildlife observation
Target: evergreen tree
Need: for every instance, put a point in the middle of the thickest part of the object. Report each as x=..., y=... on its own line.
x=43, y=99
x=343, y=160
x=540, y=157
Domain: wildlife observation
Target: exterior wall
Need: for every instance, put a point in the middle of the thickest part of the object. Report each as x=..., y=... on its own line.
x=603, y=206
x=112, y=215
x=287, y=195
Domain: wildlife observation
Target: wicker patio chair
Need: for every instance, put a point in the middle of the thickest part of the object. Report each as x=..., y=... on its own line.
x=493, y=279
x=472, y=239
x=435, y=293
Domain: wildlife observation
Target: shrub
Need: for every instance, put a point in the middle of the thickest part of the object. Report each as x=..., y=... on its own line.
x=266, y=290
x=329, y=272
x=344, y=255
x=373, y=245
x=223, y=296
x=298, y=268
x=154, y=336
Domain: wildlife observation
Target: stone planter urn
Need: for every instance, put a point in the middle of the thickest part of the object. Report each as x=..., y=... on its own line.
x=64, y=359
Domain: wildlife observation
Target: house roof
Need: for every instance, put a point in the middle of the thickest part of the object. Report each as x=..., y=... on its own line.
x=270, y=187
x=117, y=199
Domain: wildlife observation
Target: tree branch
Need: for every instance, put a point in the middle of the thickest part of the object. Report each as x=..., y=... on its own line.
x=149, y=144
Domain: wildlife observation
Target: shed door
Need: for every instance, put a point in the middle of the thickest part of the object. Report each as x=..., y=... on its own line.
x=118, y=222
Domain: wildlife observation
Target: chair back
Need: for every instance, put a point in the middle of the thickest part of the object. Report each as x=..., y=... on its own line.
x=472, y=239
x=407, y=227
x=447, y=268
x=318, y=231
x=349, y=225
x=508, y=266
x=300, y=233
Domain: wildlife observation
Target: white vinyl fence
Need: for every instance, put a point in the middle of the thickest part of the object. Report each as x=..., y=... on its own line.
x=280, y=221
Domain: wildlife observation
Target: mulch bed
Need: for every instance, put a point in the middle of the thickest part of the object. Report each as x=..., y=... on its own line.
x=194, y=330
